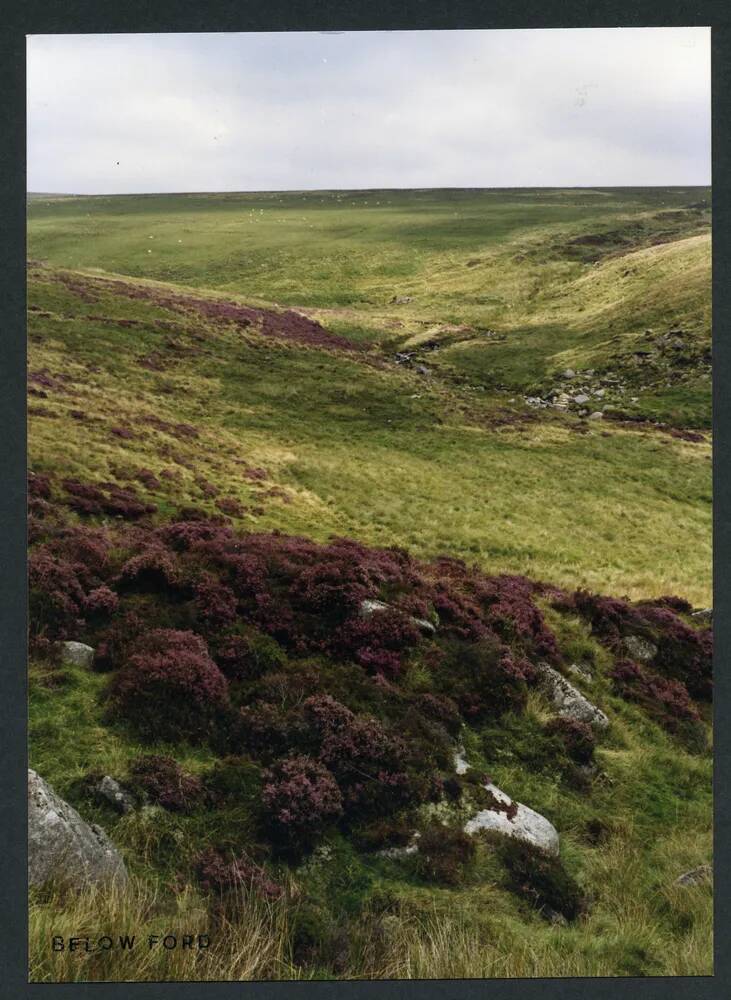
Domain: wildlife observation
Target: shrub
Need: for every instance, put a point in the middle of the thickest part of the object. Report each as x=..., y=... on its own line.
x=484, y=678
x=577, y=737
x=166, y=783
x=247, y=656
x=444, y=854
x=301, y=798
x=667, y=701
x=56, y=595
x=170, y=670
x=541, y=879
x=217, y=874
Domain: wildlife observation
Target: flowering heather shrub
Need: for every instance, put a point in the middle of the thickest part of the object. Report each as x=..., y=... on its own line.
x=101, y=602
x=264, y=730
x=377, y=771
x=231, y=506
x=105, y=498
x=301, y=798
x=215, y=603
x=39, y=486
x=154, y=569
x=216, y=874
x=442, y=709
x=684, y=653
x=126, y=433
x=206, y=488
x=56, y=595
x=577, y=737
x=166, y=783
x=444, y=854
x=172, y=670
x=541, y=879
x=610, y=617
x=484, y=678
x=678, y=604
x=117, y=641
x=248, y=656
x=148, y=479
x=378, y=642
x=665, y=700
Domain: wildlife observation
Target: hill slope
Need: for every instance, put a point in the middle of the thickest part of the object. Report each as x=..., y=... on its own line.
x=205, y=418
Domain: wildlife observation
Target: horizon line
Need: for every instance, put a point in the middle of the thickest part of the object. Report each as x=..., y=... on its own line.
x=327, y=190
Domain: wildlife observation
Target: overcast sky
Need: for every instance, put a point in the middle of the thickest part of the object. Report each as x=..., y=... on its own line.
x=274, y=111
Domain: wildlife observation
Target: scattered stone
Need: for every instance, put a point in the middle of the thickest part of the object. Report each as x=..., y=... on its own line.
x=695, y=876
x=569, y=701
x=513, y=819
x=596, y=415
x=554, y=917
x=78, y=654
x=639, y=648
x=568, y=373
x=460, y=761
x=61, y=843
x=370, y=606
x=581, y=399
x=422, y=370
x=703, y=615
x=110, y=791
x=401, y=852
x=581, y=671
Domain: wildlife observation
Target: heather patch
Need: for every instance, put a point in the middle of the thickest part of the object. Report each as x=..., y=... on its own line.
x=679, y=651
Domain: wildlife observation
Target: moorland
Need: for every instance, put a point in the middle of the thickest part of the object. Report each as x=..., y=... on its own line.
x=489, y=410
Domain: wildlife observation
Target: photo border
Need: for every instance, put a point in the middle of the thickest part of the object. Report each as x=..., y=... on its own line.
x=84, y=16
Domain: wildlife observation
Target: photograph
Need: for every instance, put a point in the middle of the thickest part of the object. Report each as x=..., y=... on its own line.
x=369, y=482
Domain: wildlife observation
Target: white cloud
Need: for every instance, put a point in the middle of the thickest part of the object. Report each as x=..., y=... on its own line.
x=140, y=113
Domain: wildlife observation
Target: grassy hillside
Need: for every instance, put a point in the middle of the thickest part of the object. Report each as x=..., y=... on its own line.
x=379, y=367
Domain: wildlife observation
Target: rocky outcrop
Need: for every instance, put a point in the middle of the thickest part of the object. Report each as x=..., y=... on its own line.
x=77, y=653
x=371, y=607
x=569, y=701
x=62, y=844
x=639, y=648
x=110, y=791
x=513, y=819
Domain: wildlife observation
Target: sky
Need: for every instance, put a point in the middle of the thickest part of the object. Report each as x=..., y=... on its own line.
x=136, y=113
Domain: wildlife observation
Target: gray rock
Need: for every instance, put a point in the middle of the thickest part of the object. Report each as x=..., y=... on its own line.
x=77, y=653
x=695, y=876
x=371, y=606
x=578, y=670
x=703, y=615
x=569, y=701
x=460, y=761
x=513, y=819
x=422, y=370
x=639, y=648
x=596, y=415
x=61, y=843
x=568, y=373
x=581, y=399
x=111, y=791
